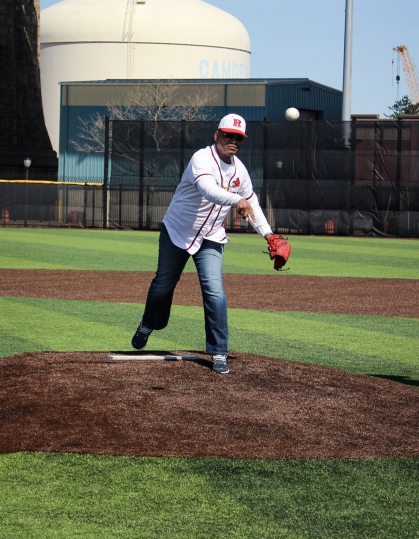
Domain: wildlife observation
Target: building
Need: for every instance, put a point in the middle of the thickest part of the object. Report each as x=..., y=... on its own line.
x=84, y=40
x=254, y=99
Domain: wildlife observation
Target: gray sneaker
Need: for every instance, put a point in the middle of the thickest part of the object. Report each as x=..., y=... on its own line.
x=220, y=364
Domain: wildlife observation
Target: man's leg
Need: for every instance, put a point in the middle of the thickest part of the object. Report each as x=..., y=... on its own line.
x=171, y=263
x=156, y=315
x=209, y=263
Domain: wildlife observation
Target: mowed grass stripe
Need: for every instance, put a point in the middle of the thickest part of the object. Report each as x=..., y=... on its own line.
x=137, y=251
x=406, y=327
x=11, y=344
x=322, y=333
x=61, y=258
x=374, y=247
x=138, y=498
x=77, y=325
x=29, y=261
x=370, y=242
x=42, y=326
x=320, y=268
x=90, y=496
x=84, y=250
x=97, y=240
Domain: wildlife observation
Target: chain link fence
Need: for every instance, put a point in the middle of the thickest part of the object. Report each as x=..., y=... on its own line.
x=357, y=178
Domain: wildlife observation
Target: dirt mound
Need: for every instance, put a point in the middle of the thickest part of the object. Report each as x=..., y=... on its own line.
x=265, y=408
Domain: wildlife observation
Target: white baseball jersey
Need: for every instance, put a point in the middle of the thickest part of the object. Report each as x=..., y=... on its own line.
x=208, y=189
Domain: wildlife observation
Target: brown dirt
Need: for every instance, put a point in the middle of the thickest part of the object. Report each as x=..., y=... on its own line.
x=278, y=292
x=265, y=408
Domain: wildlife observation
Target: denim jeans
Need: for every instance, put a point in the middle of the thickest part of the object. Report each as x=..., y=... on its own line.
x=208, y=261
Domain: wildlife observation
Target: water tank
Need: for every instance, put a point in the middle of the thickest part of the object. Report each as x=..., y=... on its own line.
x=87, y=40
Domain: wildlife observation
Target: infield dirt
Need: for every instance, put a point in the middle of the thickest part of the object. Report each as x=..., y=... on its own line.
x=265, y=408
x=278, y=292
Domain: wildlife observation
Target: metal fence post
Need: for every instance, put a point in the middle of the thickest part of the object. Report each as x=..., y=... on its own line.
x=264, y=192
x=141, y=182
x=93, y=205
x=25, y=219
x=85, y=206
x=120, y=205
x=399, y=125
x=105, y=176
x=182, y=147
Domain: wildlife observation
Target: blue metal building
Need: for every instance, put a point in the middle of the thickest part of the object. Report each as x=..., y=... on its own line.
x=254, y=99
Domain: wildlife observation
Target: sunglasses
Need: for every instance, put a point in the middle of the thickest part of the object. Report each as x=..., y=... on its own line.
x=232, y=136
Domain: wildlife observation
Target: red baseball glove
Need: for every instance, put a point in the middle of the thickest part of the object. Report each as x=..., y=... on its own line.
x=279, y=250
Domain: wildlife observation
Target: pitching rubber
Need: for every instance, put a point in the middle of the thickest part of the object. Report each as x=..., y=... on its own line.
x=149, y=357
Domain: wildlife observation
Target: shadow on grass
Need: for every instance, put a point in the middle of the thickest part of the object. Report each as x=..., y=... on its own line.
x=400, y=379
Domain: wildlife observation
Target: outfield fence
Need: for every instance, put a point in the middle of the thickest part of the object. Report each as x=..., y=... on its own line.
x=353, y=178
x=81, y=205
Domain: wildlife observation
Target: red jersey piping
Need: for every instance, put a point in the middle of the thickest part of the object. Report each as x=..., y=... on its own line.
x=197, y=234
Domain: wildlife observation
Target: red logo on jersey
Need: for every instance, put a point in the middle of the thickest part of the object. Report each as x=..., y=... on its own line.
x=236, y=182
x=236, y=122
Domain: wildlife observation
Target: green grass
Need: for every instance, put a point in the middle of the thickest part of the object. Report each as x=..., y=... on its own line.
x=137, y=251
x=82, y=496
x=376, y=345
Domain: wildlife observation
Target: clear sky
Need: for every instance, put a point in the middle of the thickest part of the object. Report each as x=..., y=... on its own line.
x=305, y=39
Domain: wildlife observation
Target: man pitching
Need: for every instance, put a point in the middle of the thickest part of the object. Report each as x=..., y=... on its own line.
x=214, y=181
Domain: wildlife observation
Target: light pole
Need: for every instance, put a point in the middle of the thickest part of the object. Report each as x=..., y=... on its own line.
x=27, y=162
x=347, y=62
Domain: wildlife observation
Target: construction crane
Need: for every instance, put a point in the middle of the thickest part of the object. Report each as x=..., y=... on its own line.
x=127, y=34
x=410, y=73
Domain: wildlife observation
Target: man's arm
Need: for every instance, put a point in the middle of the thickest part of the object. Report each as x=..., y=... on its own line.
x=245, y=210
x=259, y=221
x=216, y=194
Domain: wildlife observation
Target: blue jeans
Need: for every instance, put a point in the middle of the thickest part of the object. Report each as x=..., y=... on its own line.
x=209, y=262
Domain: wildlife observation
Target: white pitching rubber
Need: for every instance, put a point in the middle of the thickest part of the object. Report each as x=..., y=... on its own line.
x=149, y=357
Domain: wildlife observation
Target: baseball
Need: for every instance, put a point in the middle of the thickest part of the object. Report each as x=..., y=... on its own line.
x=292, y=114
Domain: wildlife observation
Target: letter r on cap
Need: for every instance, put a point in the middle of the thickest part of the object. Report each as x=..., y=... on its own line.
x=237, y=122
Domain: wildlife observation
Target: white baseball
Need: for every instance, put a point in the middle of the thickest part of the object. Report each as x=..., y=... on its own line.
x=292, y=114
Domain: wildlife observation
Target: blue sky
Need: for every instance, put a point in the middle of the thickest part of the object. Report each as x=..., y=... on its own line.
x=305, y=38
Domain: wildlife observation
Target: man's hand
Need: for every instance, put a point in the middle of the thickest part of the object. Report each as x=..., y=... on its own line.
x=245, y=210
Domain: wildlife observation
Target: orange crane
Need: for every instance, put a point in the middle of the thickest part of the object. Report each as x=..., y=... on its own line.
x=410, y=73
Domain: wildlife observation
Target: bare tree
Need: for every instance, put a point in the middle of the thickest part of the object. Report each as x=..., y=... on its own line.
x=91, y=134
x=157, y=104
x=152, y=103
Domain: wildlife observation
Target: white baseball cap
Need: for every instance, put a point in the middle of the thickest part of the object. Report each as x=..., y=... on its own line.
x=233, y=123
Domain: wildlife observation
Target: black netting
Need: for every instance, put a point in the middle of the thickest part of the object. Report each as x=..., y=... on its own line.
x=49, y=204
x=311, y=177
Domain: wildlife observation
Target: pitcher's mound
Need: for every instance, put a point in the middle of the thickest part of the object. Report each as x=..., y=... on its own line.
x=264, y=408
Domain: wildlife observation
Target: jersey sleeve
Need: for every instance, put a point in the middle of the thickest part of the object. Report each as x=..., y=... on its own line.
x=205, y=176
x=201, y=166
x=214, y=193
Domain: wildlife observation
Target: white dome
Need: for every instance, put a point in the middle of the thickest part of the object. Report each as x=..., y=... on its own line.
x=87, y=40
x=191, y=22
